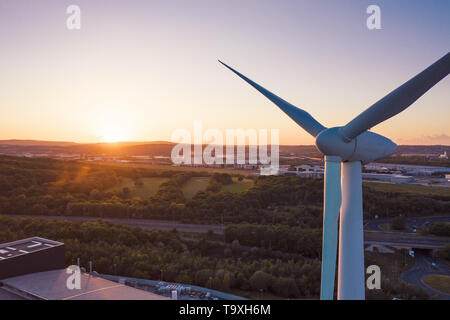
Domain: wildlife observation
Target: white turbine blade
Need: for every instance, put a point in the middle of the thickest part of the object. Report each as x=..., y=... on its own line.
x=301, y=117
x=331, y=207
x=399, y=99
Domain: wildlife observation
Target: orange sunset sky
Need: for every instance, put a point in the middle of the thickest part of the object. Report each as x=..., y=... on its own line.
x=138, y=70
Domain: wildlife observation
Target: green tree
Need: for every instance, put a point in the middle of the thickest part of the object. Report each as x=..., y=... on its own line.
x=260, y=280
x=235, y=245
x=203, y=276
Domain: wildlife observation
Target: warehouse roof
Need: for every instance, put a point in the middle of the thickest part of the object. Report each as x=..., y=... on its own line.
x=51, y=285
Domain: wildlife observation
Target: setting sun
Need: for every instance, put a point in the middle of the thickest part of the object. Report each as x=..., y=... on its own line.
x=114, y=127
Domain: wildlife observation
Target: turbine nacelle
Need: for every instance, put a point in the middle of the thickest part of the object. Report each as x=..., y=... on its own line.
x=366, y=147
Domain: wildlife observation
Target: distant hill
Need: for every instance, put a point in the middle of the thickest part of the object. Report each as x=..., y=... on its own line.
x=15, y=142
x=423, y=149
x=163, y=148
x=117, y=148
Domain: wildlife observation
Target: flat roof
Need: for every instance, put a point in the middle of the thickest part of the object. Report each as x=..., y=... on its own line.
x=51, y=285
x=25, y=246
x=7, y=295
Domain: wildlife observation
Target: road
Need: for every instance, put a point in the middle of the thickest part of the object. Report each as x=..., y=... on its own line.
x=141, y=223
x=399, y=240
x=375, y=225
x=422, y=268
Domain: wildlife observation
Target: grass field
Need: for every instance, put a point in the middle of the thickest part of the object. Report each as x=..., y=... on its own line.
x=150, y=186
x=408, y=188
x=194, y=185
x=238, y=186
x=438, y=282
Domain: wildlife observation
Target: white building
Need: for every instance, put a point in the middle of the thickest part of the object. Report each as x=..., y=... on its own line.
x=308, y=171
x=405, y=168
x=394, y=178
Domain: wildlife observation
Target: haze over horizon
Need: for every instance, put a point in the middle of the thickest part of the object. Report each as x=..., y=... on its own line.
x=138, y=70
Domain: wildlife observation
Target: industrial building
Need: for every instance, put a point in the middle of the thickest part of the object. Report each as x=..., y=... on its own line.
x=393, y=178
x=307, y=171
x=29, y=256
x=407, y=169
x=52, y=285
x=34, y=269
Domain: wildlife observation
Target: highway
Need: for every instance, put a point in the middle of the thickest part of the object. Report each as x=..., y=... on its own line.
x=145, y=224
x=375, y=225
x=400, y=240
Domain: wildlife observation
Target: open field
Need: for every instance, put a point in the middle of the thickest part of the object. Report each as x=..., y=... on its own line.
x=194, y=185
x=197, y=184
x=438, y=282
x=408, y=188
x=148, y=188
x=238, y=186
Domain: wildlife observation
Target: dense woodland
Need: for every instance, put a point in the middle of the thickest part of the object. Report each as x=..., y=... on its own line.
x=52, y=187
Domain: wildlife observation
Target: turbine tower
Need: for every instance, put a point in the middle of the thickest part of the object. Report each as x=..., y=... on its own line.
x=345, y=150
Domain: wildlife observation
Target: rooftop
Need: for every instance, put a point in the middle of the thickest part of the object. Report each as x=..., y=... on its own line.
x=25, y=246
x=51, y=285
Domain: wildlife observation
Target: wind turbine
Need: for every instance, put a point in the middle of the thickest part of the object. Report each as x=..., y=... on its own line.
x=351, y=146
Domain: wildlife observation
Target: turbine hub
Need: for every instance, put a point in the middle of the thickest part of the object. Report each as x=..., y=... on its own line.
x=366, y=147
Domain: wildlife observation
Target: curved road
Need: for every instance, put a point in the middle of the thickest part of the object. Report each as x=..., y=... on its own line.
x=421, y=269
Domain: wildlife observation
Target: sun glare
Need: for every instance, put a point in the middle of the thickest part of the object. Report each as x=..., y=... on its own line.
x=114, y=127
